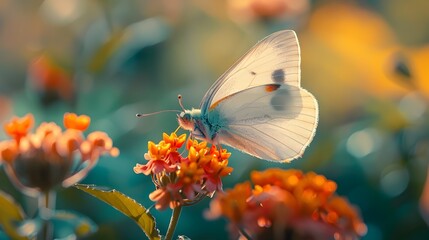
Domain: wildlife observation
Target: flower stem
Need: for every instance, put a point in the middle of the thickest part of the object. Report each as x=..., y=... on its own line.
x=46, y=208
x=173, y=222
x=244, y=233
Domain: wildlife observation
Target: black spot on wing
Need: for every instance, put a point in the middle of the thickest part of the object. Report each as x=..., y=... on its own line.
x=279, y=100
x=253, y=73
x=278, y=76
x=286, y=99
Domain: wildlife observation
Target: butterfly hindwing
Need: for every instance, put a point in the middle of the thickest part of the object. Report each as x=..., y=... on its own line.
x=274, y=121
x=275, y=59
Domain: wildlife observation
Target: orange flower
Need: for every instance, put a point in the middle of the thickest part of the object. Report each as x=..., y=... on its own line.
x=8, y=151
x=196, y=174
x=190, y=176
x=273, y=208
x=157, y=151
x=343, y=216
x=278, y=177
x=157, y=156
x=19, y=127
x=313, y=191
x=48, y=129
x=154, y=167
x=73, y=121
x=287, y=201
x=99, y=143
x=232, y=203
x=201, y=156
x=173, y=140
x=166, y=196
x=37, y=162
x=215, y=170
x=197, y=145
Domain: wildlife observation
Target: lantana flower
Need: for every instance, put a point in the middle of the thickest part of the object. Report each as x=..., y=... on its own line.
x=287, y=204
x=183, y=177
x=40, y=160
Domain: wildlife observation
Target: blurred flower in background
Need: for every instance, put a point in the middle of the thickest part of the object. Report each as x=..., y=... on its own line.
x=287, y=204
x=352, y=58
x=37, y=162
x=51, y=82
x=254, y=10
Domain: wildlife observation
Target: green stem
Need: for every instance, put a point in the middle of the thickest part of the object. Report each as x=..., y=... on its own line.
x=46, y=208
x=244, y=233
x=173, y=222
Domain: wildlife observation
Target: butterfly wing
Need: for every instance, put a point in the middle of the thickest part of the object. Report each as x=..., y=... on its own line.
x=275, y=59
x=274, y=121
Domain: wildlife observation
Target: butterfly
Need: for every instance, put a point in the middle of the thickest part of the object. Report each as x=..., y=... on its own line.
x=258, y=106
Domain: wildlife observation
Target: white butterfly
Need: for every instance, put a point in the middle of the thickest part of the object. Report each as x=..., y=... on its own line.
x=258, y=106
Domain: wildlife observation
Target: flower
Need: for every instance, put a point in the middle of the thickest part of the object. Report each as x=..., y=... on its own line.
x=51, y=81
x=247, y=10
x=168, y=195
x=363, y=39
x=73, y=121
x=37, y=162
x=19, y=127
x=286, y=203
x=182, y=178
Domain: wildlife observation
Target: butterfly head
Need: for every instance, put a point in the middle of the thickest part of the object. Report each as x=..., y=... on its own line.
x=187, y=118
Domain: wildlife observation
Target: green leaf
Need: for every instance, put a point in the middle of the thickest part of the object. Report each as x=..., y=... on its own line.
x=125, y=205
x=11, y=213
x=105, y=52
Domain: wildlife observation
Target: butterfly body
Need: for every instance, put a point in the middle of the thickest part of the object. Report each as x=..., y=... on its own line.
x=258, y=106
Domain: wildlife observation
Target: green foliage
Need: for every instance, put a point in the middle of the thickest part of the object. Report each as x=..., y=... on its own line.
x=125, y=205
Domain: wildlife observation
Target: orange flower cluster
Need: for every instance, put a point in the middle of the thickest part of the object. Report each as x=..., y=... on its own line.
x=183, y=179
x=37, y=162
x=287, y=204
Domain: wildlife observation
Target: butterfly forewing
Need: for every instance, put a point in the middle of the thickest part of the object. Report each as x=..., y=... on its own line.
x=275, y=59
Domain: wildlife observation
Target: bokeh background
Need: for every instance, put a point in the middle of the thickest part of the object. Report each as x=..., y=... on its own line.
x=367, y=63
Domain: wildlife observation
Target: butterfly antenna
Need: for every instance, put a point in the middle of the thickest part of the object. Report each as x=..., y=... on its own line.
x=140, y=115
x=179, y=97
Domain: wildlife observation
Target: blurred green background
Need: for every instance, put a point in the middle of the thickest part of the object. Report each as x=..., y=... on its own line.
x=367, y=63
